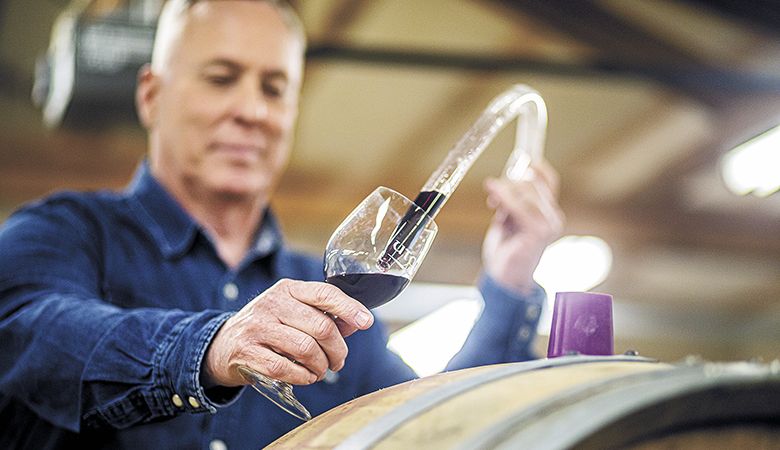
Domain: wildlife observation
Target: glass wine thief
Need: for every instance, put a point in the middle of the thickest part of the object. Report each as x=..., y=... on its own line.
x=520, y=102
x=376, y=251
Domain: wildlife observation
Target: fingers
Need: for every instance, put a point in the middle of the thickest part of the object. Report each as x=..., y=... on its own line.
x=278, y=367
x=544, y=170
x=343, y=316
x=526, y=221
x=344, y=328
x=517, y=199
x=330, y=299
x=265, y=346
x=543, y=176
x=294, y=331
x=318, y=343
x=310, y=308
x=529, y=203
x=316, y=355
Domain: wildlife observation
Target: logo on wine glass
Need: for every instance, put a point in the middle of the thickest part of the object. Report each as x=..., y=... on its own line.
x=402, y=255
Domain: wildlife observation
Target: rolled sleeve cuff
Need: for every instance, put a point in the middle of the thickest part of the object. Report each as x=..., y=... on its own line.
x=515, y=314
x=183, y=360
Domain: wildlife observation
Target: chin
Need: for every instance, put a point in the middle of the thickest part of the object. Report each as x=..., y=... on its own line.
x=239, y=180
x=242, y=189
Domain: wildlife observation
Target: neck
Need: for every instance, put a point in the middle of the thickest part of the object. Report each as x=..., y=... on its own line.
x=231, y=224
x=230, y=220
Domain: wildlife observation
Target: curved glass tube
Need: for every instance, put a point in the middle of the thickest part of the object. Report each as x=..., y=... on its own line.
x=521, y=102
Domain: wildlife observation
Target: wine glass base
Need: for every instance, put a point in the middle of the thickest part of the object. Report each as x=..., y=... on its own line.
x=277, y=391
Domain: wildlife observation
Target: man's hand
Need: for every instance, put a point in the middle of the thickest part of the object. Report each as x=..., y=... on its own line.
x=292, y=332
x=527, y=220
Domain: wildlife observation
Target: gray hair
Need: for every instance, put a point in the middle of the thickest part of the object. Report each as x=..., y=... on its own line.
x=174, y=9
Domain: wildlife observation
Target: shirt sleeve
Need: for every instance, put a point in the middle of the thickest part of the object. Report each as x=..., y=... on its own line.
x=505, y=330
x=76, y=360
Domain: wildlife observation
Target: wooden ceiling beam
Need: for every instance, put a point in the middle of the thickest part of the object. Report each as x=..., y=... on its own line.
x=705, y=83
x=589, y=22
x=627, y=47
x=763, y=13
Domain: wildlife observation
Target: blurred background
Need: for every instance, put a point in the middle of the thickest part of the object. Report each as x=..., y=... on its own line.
x=647, y=101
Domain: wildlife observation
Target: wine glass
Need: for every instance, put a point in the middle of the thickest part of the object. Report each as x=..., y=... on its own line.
x=372, y=256
x=376, y=251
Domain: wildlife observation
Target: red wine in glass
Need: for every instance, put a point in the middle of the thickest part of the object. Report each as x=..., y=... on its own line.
x=370, y=289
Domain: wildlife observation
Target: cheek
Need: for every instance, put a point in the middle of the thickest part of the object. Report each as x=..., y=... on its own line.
x=285, y=137
x=192, y=105
x=282, y=157
x=190, y=121
x=200, y=112
x=286, y=126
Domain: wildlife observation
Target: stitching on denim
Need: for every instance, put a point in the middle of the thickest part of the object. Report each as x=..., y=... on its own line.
x=198, y=355
x=158, y=374
x=156, y=232
x=97, y=410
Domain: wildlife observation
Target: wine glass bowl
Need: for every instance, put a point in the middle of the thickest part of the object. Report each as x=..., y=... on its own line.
x=376, y=251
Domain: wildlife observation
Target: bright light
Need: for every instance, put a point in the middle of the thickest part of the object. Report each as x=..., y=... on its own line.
x=426, y=345
x=572, y=263
x=754, y=167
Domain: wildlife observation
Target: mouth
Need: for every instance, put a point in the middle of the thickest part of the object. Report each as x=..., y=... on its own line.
x=236, y=150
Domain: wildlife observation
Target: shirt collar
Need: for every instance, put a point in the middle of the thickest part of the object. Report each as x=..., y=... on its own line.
x=268, y=239
x=173, y=229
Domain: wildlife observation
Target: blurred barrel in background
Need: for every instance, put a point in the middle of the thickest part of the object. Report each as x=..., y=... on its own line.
x=573, y=401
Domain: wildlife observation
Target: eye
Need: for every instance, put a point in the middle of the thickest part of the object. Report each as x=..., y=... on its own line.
x=220, y=79
x=275, y=87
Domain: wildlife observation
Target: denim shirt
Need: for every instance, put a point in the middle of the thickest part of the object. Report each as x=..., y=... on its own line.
x=108, y=302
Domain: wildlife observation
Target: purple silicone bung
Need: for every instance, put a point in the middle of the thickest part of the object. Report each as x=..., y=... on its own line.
x=581, y=323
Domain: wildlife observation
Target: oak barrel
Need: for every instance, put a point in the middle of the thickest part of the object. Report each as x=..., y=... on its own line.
x=568, y=402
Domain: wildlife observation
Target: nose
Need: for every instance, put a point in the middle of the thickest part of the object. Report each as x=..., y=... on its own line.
x=261, y=109
x=253, y=106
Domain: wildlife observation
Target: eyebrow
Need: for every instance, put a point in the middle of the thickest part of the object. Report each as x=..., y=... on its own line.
x=232, y=65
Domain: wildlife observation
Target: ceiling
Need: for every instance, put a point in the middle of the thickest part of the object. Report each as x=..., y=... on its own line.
x=643, y=98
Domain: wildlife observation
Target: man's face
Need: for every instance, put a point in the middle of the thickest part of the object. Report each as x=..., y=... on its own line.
x=221, y=106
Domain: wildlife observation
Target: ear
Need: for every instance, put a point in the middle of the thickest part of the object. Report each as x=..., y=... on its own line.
x=146, y=96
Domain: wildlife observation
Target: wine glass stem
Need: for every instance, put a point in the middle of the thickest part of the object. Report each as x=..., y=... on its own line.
x=279, y=392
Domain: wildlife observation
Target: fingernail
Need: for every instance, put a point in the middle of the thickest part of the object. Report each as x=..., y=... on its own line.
x=362, y=318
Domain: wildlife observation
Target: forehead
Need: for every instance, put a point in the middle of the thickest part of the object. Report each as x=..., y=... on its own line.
x=248, y=32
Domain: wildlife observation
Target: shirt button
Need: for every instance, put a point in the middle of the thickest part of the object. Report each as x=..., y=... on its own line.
x=193, y=402
x=532, y=312
x=523, y=333
x=177, y=401
x=230, y=291
x=217, y=444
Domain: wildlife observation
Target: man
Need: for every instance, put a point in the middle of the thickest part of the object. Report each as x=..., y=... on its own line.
x=118, y=322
